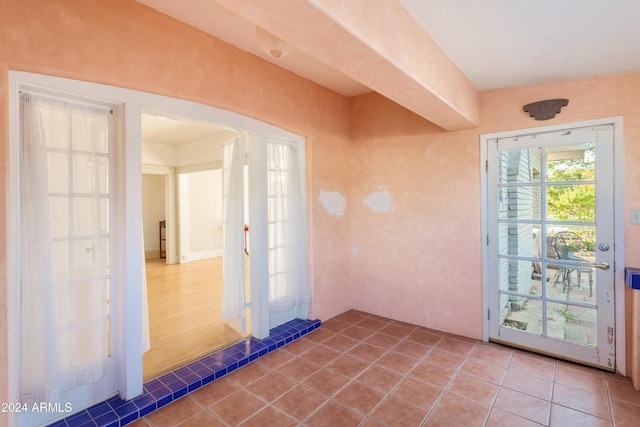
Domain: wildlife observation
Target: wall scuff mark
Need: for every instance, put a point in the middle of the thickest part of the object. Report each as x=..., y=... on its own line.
x=333, y=202
x=379, y=201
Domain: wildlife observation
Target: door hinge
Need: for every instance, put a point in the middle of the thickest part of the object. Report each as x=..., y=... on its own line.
x=488, y=314
x=486, y=165
x=487, y=239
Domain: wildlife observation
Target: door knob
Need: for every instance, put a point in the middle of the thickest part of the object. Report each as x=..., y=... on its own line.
x=600, y=265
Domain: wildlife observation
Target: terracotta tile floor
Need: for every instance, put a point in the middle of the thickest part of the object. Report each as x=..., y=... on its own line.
x=363, y=370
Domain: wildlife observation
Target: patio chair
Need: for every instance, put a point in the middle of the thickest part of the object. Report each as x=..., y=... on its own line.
x=566, y=244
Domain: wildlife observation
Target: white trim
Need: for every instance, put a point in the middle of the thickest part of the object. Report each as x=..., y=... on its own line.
x=618, y=215
x=183, y=218
x=197, y=256
x=200, y=167
x=484, y=230
x=258, y=244
x=618, y=221
x=157, y=169
x=13, y=261
x=169, y=173
x=152, y=254
x=128, y=322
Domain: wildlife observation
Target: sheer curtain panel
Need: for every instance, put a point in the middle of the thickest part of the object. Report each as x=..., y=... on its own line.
x=233, y=282
x=64, y=246
x=287, y=254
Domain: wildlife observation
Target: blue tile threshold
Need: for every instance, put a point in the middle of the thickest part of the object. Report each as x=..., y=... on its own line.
x=161, y=391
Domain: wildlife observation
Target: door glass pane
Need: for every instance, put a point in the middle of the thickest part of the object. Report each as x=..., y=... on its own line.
x=519, y=202
x=59, y=217
x=85, y=174
x=519, y=166
x=96, y=125
x=519, y=239
x=571, y=283
x=575, y=203
x=571, y=163
x=102, y=174
x=84, y=216
x=571, y=323
x=523, y=314
x=63, y=304
x=519, y=276
x=60, y=260
x=84, y=259
x=58, y=166
x=571, y=243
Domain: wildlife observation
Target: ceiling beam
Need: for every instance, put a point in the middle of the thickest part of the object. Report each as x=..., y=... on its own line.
x=377, y=43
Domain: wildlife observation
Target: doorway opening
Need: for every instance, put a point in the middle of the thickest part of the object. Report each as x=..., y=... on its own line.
x=182, y=208
x=279, y=281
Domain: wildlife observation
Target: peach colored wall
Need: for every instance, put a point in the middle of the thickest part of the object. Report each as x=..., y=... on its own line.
x=123, y=43
x=421, y=262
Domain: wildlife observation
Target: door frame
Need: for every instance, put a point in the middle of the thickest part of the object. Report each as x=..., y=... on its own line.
x=169, y=175
x=128, y=304
x=618, y=215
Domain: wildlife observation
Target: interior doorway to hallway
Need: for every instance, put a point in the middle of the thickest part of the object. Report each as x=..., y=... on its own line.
x=185, y=302
x=182, y=195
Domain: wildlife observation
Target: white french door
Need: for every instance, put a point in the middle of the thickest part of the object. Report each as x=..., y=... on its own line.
x=279, y=281
x=287, y=254
x=550, y=242
x=66, y=240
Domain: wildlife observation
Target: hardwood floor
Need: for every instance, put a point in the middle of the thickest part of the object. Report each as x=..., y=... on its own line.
x=185, y=304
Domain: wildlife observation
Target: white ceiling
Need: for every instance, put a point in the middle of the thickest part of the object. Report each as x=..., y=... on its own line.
x=505, y=43
x=496, y=43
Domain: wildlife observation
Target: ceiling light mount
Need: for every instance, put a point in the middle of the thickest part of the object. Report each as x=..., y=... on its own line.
x=545, y=110
x=272, y=45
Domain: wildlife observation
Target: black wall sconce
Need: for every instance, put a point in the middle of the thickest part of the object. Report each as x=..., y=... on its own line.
x=545, y=110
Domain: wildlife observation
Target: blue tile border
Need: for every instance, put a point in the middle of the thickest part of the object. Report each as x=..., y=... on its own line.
x=115, y=412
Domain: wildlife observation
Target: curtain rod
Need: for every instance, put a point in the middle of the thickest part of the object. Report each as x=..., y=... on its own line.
x=102, y=107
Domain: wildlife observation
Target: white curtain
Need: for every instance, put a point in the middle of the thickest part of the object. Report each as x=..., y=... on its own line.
x=233, y=288
x=64, y=242
x=287, y=255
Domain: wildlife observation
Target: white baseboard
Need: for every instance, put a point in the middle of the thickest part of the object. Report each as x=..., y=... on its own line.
x=152, y=254
x=196, y=256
